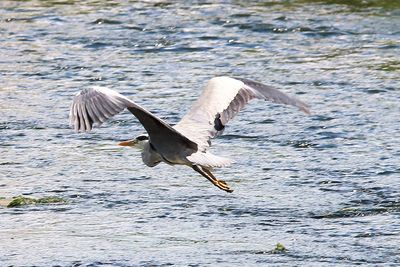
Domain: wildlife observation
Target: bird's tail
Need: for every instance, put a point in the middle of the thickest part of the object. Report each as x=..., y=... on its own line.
x=208, y=160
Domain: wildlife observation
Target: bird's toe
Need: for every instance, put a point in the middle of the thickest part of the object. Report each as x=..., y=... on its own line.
x=224, y=186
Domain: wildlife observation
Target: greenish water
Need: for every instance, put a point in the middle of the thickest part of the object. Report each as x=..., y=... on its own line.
x=319, y=190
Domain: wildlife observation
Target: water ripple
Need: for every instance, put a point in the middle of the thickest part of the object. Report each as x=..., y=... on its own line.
x=325, y=186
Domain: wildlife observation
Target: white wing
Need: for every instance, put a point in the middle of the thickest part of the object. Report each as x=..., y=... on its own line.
x=220, y=101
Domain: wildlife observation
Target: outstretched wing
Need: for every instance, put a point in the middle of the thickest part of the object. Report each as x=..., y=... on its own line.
x=96, y=105
x=220, y=101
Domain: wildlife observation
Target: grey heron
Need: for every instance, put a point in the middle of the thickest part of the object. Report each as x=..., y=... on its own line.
x=187, y=142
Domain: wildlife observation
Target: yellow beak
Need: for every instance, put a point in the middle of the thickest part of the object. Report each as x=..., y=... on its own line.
x=132, y=142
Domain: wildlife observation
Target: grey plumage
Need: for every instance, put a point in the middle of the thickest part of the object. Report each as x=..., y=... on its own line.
x=185, y=143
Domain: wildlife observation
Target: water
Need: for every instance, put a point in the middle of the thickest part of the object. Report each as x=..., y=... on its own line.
x=326, y=186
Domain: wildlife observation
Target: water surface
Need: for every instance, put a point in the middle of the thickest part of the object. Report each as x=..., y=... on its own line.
x=326, y=186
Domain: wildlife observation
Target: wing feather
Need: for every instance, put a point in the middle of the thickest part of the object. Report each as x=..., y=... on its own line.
x=92, y=115
x=86, y=119
x=100, y=118
x=96, y=105
x=272, y=94
x=220, y=101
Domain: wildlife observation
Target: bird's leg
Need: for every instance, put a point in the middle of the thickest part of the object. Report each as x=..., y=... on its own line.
x=220, y=182
x=207, y=174
x=212, y=176
x=199, y=170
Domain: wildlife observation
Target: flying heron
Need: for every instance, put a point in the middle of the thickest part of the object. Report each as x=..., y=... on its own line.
x=187, y=142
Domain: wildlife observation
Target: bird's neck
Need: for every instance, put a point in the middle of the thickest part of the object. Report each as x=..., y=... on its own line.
x=142, y=144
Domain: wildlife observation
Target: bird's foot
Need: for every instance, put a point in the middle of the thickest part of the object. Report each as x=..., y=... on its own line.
x=218, y=183
x=223, y=186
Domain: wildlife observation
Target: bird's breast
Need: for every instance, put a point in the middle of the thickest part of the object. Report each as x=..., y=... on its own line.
x=169, y=156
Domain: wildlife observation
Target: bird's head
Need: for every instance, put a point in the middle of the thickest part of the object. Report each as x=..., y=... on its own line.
x=138, y=142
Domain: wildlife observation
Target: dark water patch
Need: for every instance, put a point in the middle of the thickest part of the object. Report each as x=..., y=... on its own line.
x=330, y=182
x=139, y=178
x=377, y=201
x=128, y=203
x=262, y=212
x=198, y=198
x=282, y=18
x=295, y=82
x=389, y=66
x=350, y=212
x=248, y=47
x=388, y=172
x=25, y=20
x=92, y=180
x=56, y=19
x=316, y=127
x=163, y=4
x=157, y=263
x=266, y=121
x=4, y=125
x=116, y=263
x=337, y=190
x=390, y=45
x=332, y=173
x=374, y=234
x=302, y=144
x=327, y=146
x=359, y=5
x=59, y=191
x=55, y=3
x=23, y=125
x=374, y=91
x=268, y=169
x=323, y=31
x=297, y=255
x=41, y=75
x=30, y=51
x=261, y=27
x=241, y=15
x=322, y=118
x=9, y=162
x=179, y=49
x=236, y=136
x=97, y=45
x=92, y=137
x=107, y=21
x=331, y=135
x=318, y=83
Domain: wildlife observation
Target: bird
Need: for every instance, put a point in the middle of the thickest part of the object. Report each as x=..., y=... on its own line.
x=188, y=141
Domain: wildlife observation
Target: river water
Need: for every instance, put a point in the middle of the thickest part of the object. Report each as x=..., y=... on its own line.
x=326, y=186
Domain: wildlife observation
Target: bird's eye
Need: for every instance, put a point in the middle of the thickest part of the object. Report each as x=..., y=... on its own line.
x=142, y=138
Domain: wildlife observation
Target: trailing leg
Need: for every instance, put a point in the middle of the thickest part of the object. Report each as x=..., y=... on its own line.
x=207, y=174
